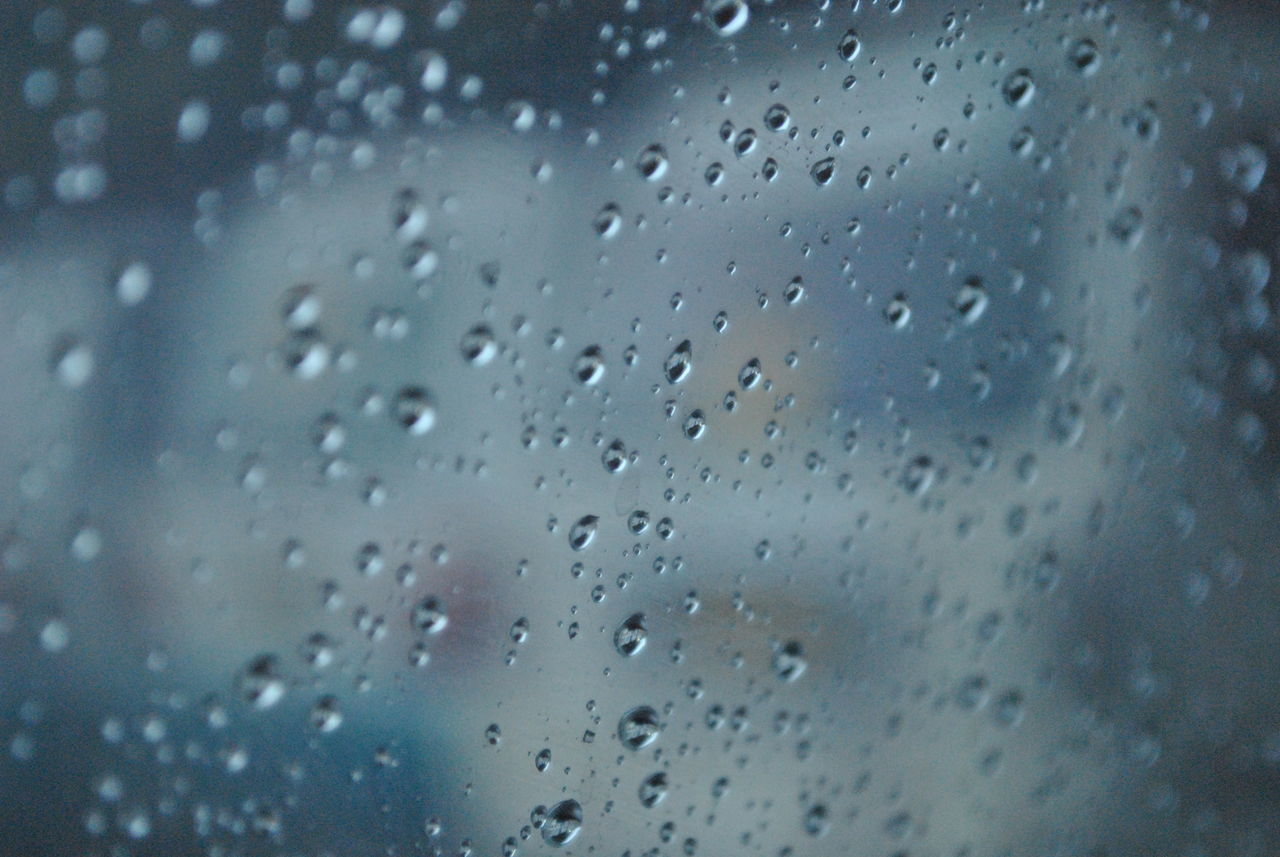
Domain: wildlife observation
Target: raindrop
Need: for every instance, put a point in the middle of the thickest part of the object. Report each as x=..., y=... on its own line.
x=414, y=410
x=789, y=662
x=581, y=534
x=793, y=291
x=325, y=715
x=749, y=374
x=408, y=216
x=1243, y=166
x=1018, y=88
x=260, y=683
x=1083, y=56
x=817, y=820
x=652, y=162
x=898, y=312
x=777, y=118
x=638, y=522
x=679, y=362
x=823, y=171
x=918, y=476
x=478, y=346
x=653, y=789
x=301, y=308
x=134, y=283
x=73, y=363
x=726, y=17
x=588, y=368
x=429, y=615
x=849, y=46
x=971, y=300
x=695, y=425
x=608, y=222
x=1126, y=226
x=639, y=727
x=614, y=457
x=562, y=823
x=631, y=635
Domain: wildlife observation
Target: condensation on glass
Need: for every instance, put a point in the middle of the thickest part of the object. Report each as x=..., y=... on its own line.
x=639, y=428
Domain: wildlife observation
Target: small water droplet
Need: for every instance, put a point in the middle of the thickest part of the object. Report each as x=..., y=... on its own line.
x=414, y=410
x=631, y=635
x=260, y=683
x=429, y=616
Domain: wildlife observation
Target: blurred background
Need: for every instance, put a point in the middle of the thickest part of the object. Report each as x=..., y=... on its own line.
x=638, y=428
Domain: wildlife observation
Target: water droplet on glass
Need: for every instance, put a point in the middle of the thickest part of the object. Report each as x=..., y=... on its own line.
x=429, y=615
x=652, y=162
x=562, y=823
x=653, y=789
x=478, y=346
x=73, y=363
x=1243, y=166
x=639, y=727
x=849, y=46
x=971, y=300
x=1083, y=56
x=614, y=457
x=788, y=661
x=823, y=171
x=588, y=368
x=679, y=362
x=608, y=222
x=325, y=715
x=726, y=17
x=898, y=312
x=582, y=532
x=134, y=283
x=260, y=683
x=777, y=118
x=631, y=635
x=414, y=410
x=1018, y=88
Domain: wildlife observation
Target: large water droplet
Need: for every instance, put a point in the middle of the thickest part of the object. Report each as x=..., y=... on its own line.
x=582, y=532
x=1018, y=88
x=679, y=362
x=562, y=823
x=631, y=635
x=639, y=727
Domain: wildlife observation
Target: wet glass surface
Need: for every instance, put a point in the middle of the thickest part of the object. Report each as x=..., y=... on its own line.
x=639, y=428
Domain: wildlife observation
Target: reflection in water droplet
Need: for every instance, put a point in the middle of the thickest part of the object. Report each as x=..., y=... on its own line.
x=415, y=411
x=653, y=789
x=849, y=46
x=726, y=17
x=562, y=823
x=1018, y=88
x=652, y=162
x=260, y=683
x=429, y=615
x=631, y=635
x=789, y=662
x=581, y=533
x=823, y=171
x=679, y=363
x=639, y=727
